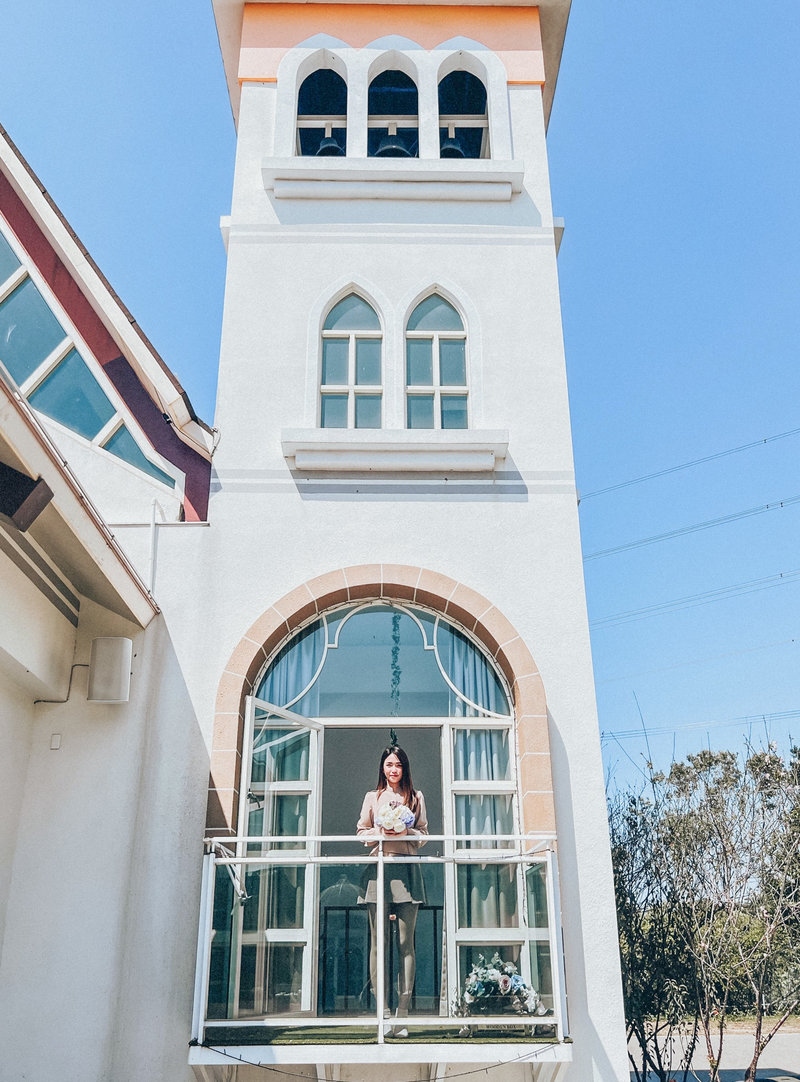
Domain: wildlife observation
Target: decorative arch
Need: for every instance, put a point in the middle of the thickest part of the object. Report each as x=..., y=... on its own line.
x=387, y=582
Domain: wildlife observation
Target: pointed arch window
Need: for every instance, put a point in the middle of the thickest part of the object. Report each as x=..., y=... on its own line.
x=436, y=367
x=351, y=383
x=393, y=123
x=463, y=119
x=322, y=115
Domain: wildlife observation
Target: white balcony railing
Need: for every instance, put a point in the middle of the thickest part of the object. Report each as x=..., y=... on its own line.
x=285, y=940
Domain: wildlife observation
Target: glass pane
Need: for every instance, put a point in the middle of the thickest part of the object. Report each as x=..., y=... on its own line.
x=454, y=411
x=471, y=674
x=380, y=667
x=285, y=814
x=480, y=814
x=462, y=93
x=343, y=941
x=124, y=446
x=403, y=144
x=435, y=314
x=542, y=973
x=72, y=395
x=481, y=755
x=368, y=411
x=271, y=977
x=280, y=755
x=419, y=362
x=392, y=93
x=420, y=411
x=487, y=896
x=275, y=897
x=322, y=93
x=536, y=882
x=352, y=314
x=334, y=361
x=8, y=261
x=368, y=361
x=481, y=969
x=333, y=413
x=311, y=140
x=220, y=970
x=452, y=362
x=29, y=331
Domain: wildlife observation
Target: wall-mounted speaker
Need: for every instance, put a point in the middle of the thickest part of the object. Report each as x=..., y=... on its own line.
x=110, y=670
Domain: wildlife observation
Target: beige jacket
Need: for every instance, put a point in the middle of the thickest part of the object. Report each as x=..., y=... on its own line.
x=403, y=845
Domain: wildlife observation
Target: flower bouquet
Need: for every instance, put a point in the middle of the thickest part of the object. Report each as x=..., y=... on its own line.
x=394, y=816
x=495, y=987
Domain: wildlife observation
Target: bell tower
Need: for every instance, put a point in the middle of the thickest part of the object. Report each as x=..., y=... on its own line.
x=392, y=396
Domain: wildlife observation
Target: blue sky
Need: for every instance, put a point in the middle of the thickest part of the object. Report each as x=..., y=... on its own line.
x=674, y=160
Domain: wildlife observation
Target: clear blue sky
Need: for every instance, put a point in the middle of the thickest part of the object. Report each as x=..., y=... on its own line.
x=674, y=159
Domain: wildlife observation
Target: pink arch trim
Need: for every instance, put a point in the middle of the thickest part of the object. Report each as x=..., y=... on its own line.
x=394, y=582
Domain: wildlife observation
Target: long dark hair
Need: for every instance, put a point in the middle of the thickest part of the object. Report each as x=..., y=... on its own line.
x=406, y=784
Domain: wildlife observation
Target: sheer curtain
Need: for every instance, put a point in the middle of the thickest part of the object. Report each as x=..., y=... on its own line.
x=471, y=673
x=292, y=671
x=487, y=895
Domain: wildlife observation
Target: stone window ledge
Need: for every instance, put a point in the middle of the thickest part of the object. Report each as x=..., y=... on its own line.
x=330, y=450
x=474, y=180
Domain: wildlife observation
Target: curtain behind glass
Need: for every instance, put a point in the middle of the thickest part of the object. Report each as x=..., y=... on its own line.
x=470, y=673
x=481, y=755
x=292, y=671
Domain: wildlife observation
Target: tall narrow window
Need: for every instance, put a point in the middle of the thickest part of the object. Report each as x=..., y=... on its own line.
x=436, y=367
x=393, y=105
x=322, y=115
x=351, y=388
x=463, y=121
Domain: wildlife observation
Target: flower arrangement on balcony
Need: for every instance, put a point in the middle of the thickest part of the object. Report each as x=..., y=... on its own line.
x=394, y=816
x=495, y=987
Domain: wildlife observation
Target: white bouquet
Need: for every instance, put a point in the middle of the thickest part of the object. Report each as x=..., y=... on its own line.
x=394, y=816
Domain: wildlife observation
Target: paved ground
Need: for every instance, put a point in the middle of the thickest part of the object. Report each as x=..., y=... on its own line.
x=779, y=1062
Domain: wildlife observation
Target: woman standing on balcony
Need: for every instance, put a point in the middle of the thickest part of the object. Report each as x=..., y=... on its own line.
x=395, y=812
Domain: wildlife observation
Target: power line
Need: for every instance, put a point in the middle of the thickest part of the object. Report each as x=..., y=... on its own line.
x=697, y=661
x=688, y=465
x=749, y=719
x=694, y=528
x=693, y=600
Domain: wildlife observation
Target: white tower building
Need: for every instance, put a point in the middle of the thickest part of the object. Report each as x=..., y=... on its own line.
x=390, y=555
x=395, y=544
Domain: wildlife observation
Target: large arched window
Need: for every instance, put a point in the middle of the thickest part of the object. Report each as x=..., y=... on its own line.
x=343, y=687
x=463, y=121
x=351, y=387
x=436, y=366
x=322, y=115
x=393, y=105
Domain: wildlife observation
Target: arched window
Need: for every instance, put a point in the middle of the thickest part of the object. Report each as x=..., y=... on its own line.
x=343, y=687
x=351, y=380
x=436, y=366
x=393, y=105
x=463, y=121
x=322, y=115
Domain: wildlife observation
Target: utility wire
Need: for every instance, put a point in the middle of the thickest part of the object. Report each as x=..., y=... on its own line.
x=697, y=661
x=688, y=465
x=693, y=600
x=749, y=719
x=694, y=528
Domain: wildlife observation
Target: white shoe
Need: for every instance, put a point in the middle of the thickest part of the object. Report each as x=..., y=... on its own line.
x=387, y=1031
x=400, y=1031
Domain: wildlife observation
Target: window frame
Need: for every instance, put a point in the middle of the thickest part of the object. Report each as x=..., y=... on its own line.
x=351, y=387
x=436, y=389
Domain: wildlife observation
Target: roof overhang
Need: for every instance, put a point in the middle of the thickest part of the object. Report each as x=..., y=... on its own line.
x=553, y=15
x=158, y=380
x=69, y=529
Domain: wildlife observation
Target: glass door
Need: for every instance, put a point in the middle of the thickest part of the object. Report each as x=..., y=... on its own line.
x=279, y=810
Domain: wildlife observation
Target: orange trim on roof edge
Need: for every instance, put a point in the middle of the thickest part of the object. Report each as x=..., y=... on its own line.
x=269, y=31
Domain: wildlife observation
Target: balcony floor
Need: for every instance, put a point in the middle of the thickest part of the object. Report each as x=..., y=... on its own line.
x=358, y=1044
